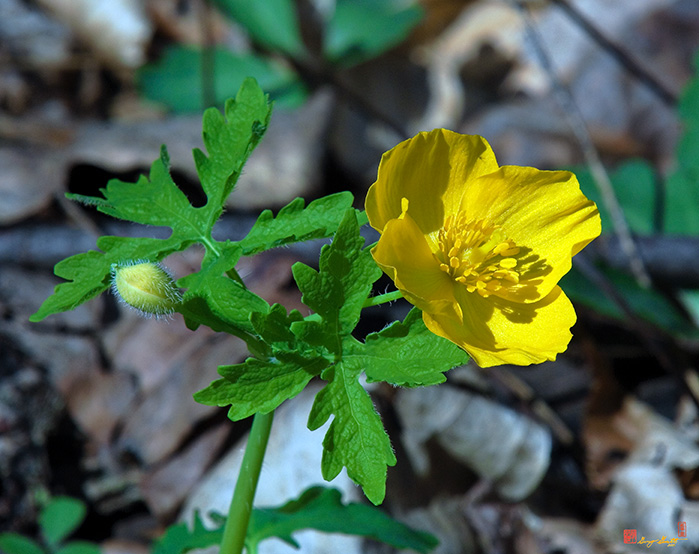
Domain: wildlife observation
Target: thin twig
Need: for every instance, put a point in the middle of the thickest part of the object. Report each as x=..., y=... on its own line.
x=599, y=173
x=618, y=53
x=208, y=57
x=316, y=75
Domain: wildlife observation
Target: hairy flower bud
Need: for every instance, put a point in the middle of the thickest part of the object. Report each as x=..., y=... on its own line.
x=146, y=286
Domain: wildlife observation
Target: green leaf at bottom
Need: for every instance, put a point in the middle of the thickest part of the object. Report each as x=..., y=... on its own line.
x=179, y=538
x=12, y=543
x=79, y=547
x=321, y=509
x=61, y=516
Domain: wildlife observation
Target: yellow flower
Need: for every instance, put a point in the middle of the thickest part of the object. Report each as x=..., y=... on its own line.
x=480, y=248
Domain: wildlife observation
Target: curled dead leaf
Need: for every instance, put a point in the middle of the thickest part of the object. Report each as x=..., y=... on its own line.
x=500, y=445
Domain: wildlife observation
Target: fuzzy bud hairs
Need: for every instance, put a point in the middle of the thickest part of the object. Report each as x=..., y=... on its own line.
x=145, y=286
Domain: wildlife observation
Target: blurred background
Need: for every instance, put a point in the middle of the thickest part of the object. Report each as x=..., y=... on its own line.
x=563, y=457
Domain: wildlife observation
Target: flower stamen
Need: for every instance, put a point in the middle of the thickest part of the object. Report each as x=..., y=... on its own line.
x=476, y=254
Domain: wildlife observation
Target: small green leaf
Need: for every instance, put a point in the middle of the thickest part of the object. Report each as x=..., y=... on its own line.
x=361, y=29
x=682, y=193
x=322, y=509
x=681, y=203
x=175, y=79
x=79, y=547
x=153, y=200
x=337, y=291
x=274, y=326
x=356, y=438
x=179, y=538
x=230, y=142
x=294, y=223
x=228, y=303
x=405, y=354
x=261, y=385
x=272, y=23
x=12, y=543
x=60, y=517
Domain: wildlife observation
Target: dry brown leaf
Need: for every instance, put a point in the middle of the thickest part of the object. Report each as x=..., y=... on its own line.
x=165, y=488
x=156, y=425
x=494, y=23
x=285, y=165
x=186, y=25
x=123, y=546
x=444, y=518
x=634, y=430
x=557, y=535
x=646, y=495
x=27, y=182
x=439, y=14
x=500, y=445
x=116, y=30
x=646, y=498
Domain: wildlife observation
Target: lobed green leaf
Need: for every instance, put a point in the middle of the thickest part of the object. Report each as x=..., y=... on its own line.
x=296, y=223
x=216, y=300
x=356, y=438
x=317, y=508
x=405, y=354
x=261, y=385
x=179, y=538
x=275, y=326
x=230, y=142
x=322, y=509
x=154, y=200
x=337, y=291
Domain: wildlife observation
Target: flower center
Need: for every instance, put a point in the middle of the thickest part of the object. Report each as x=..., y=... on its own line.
x=477, y=254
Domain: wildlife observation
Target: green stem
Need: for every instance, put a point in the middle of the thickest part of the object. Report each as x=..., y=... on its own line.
x=244, y=494
x=382, y=298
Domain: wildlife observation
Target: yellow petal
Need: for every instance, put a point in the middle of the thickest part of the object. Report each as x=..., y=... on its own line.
x=431, y=170
x=403, y=253
x=495, y=331
x=544, y=212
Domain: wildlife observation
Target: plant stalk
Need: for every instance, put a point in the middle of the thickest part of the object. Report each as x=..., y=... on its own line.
x=382, y=298
x=241, y=505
